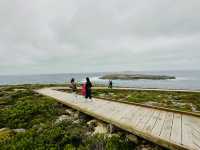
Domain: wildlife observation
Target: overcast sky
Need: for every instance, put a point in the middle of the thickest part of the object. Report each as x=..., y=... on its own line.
x=58, y=36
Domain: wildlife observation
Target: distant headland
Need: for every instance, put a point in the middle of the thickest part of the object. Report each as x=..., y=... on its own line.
x=121, y=76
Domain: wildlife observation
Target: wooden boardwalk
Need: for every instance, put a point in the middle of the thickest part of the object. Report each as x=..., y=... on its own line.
x=166, y=128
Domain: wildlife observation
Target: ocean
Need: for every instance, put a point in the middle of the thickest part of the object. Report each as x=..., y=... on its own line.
x=184, y=79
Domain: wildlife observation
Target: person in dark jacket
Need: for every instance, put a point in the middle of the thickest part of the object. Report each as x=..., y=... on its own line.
x=88, y=87
x=110, y=85
x=73, y=85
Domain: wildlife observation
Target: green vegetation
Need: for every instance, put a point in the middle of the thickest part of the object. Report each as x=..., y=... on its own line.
x=21, y=108
x=185, y=101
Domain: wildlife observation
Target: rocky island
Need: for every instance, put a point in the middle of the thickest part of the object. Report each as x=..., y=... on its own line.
x=136, y=77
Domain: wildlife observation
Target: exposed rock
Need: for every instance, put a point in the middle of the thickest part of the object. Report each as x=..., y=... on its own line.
x=69, y=112
x=4, y=129
x=114, y=135
x=35, y=126
x=151, y=103
x=62, y=118
x=100, y=128
x=21, y=89
x=40, y=129
x=76, y=121
x=110, y=128
x=132, y=138
x=111, y=94
x=193, y=107
x=102, y=95
x=76, y=115
x=19, y=130
x=190, y=106
x=96, y=126
x=92, y=123
x=5, y=133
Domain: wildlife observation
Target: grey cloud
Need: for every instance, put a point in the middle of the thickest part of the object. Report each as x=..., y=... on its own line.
x=80, y=36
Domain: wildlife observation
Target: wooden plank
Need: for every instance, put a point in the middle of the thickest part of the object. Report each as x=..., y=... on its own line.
x=176, y=133
x=145, y=118
x=167, y=127
x=99, y=108
x=159, y=124
x=152, y=122
x=115, y=112
x=190, y=131
x=194, y=122
x=129, y=115
x=127, y=118
x=139, y=116
x=127, y=112
x=135, y=116
x=186, y=132
x=116, y=107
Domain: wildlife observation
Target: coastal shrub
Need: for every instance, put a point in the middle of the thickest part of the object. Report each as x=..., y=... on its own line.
x=105, y=142
x=69, y=147
x=118, y=143
x=168, y=99
x=56, y=137
x=22, y=107
x=22, y=113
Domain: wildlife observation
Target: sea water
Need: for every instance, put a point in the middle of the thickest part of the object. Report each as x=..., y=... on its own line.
x=184, y=79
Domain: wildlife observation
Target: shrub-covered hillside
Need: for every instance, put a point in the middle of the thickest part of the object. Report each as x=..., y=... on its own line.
x=30, y=121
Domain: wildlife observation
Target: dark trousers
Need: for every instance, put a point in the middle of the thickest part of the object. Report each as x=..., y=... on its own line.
x=88, y=94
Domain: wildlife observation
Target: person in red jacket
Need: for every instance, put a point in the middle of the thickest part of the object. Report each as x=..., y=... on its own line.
x=83, y=89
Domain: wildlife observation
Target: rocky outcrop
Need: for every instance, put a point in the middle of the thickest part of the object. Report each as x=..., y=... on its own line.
x=19, y=130
x=62, y=118
x=101, y=128
x=69, y=111
x=132, y=138
x=97, y=127
x=136, y=77
x=5, y=134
